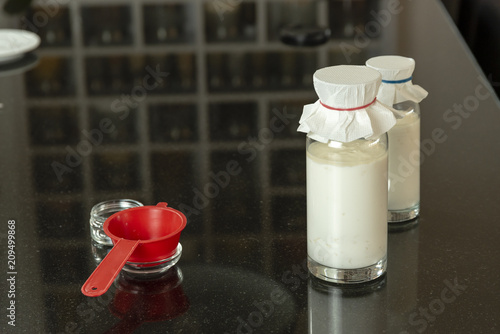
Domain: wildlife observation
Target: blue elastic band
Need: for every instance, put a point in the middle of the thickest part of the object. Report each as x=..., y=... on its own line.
x=396, y=81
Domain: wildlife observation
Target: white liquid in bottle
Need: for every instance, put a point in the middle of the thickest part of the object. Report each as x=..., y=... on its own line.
x=346, y=205
x=404, y=163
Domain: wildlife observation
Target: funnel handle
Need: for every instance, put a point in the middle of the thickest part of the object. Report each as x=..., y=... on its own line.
x=105, y=273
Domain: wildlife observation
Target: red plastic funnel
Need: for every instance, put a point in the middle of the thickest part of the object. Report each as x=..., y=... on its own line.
x=142, y=234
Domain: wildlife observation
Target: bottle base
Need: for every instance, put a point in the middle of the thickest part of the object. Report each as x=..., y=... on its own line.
x=347, y=276
x=398, y=216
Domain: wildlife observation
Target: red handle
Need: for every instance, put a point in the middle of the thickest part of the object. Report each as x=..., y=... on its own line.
x=106, y=272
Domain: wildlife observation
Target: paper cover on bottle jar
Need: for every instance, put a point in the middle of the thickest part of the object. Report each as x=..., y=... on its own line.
x=396, y=79
x=347, y=108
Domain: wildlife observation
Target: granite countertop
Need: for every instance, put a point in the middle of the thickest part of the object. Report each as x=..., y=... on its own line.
x=197, y=104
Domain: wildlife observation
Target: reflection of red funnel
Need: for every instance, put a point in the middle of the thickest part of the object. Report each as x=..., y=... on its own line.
x=139, y=300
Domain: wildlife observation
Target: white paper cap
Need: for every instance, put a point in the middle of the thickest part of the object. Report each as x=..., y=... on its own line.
x=396, y=68
x=346, y=87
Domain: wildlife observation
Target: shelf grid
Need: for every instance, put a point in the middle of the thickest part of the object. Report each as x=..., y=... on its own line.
x=226, y=81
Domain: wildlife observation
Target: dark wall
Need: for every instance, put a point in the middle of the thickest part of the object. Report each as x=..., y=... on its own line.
x=479, y=24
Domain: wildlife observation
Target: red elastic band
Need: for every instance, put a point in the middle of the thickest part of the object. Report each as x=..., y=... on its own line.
x=348, y=109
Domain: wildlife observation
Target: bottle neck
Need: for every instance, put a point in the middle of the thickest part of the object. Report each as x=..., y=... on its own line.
x=361, y=143
x=406, y=107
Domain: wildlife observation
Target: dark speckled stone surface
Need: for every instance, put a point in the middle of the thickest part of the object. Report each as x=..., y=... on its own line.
x=215, y=137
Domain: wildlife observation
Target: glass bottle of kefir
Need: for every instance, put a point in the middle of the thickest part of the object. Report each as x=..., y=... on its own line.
x=398, y=91
x=346, y=161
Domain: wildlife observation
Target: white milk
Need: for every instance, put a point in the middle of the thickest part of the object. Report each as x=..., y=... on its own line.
x=404, y=163
x=346, y=206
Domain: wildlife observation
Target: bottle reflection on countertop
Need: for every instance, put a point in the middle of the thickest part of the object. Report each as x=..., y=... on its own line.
x=402, y=266
x=337, y=309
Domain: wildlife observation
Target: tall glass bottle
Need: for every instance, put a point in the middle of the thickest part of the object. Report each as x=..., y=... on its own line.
x=346, y=208
x=398, y=91
x=346, y=161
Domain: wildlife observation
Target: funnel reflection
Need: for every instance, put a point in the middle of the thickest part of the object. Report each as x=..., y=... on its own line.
x=138, y=300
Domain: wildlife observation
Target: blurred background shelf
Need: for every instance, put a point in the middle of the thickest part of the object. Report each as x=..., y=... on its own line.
x=229, y=78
